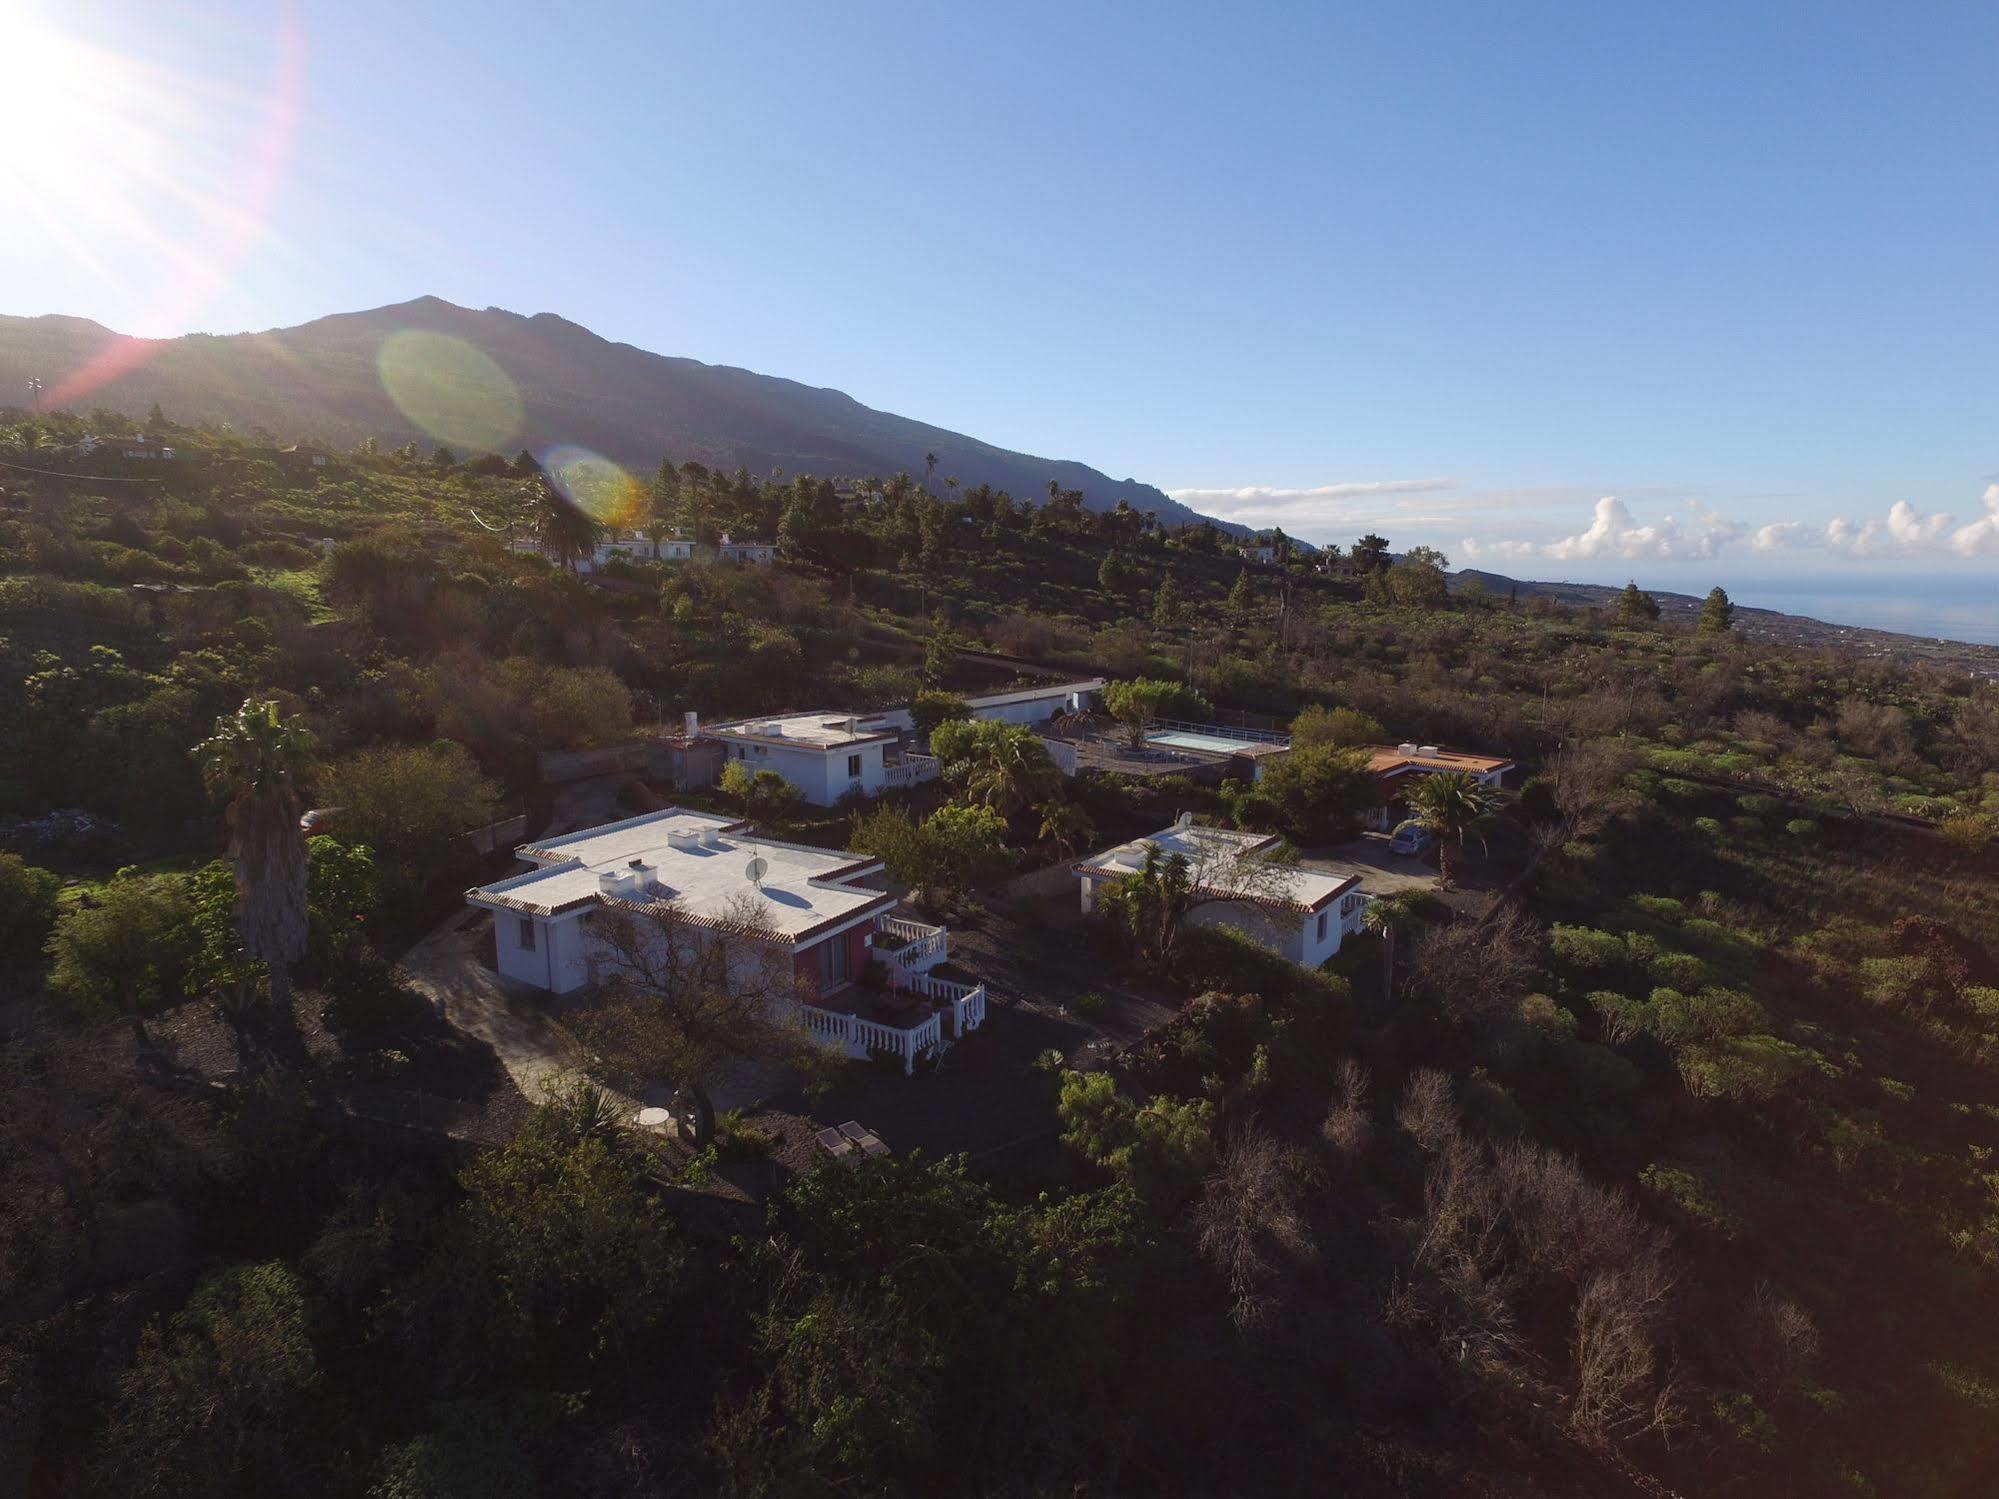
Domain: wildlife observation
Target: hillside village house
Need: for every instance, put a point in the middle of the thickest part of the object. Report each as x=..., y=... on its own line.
x=301, y=458
x=830, y=756
x=1397, y=767
x=1259, y=552
x=809, y=908
x=1300, y=914
x=747, y=553
x=137, y=449
x=827, y=756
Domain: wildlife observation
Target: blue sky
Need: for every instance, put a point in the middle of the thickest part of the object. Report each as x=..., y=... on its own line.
x=1456, y=273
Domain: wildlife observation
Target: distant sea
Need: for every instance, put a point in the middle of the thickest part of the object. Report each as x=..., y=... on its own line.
x=1945, y=606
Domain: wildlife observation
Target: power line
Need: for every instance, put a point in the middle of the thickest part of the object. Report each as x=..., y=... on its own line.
x=51, y=473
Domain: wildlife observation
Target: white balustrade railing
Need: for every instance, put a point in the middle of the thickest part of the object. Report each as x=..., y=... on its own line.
x=967, y=1001
x=861, y=1038
x=910, y=770
x=914, y=943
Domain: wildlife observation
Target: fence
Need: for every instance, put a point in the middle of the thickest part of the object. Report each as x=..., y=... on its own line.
x=862, y=1038
x=1217, y=731
x=916, y=942
x=910, y=770
x=498, y=835
x=576, y=765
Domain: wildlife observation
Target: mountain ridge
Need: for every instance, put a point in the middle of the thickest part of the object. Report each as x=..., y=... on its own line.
x=576, y=387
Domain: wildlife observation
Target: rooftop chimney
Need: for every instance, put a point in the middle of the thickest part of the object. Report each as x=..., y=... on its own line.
x=690, y=723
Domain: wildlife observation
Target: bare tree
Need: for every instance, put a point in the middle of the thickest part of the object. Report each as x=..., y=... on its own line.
x=1248, y=1222
x=1349, y=1129
x=684, y=997
x=1427, y=1111
x=1586, y=782
x=1780, y=1342
x=1480, y=966
x=1614, y=1395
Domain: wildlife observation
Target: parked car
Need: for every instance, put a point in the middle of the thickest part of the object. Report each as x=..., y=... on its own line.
x=1413, y=839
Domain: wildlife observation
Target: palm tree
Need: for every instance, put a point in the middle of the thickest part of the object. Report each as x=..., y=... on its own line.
x=1452, y=805
x=1066, y=825
x=255, y=758
x=1011, y=770
x=1385, y=918
x=562, y=528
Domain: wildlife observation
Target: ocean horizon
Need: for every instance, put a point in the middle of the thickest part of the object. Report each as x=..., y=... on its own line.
x=1942, y=606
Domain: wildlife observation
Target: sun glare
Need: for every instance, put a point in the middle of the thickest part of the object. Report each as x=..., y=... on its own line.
x=157, y=180
x=58, y=103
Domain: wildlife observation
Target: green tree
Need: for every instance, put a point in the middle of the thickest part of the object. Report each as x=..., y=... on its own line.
x=966, y=848
x=940, y=650
x=1066, y=826
x=1167, y=609
x=1417, y=578
x=1162, y=1148
x=932, y=708
x=1003, y=766
x=1635, y=604
x=1335, y=728
x=557, y=1266
x=27, y=911
x=255, y=759
x=762, y=794
x=126, y=945
x=1452, y=805
x=1136, y=702
x=225, y=1397
x=1370, y=554
x=411, y=804
x=562, y=529
x=662, y=516
x=1241, y=601
x=1320, y=791
x=1717, y=613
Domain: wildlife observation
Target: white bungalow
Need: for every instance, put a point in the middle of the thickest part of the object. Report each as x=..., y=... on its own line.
x=1023, y=705
x=747, y=553
x=803, y=914
x=827, y=756
x=1300, y=914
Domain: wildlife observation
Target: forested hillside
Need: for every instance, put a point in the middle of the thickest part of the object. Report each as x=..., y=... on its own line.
x=1656, y=1157
x=512, y=382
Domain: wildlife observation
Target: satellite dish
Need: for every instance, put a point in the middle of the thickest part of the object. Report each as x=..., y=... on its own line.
x=1184, y=820
x=756, y=869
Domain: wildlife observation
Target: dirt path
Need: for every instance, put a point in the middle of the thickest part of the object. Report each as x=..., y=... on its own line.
x=448, y=968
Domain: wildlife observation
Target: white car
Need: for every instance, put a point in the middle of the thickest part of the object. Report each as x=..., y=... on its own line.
x=1413, y=839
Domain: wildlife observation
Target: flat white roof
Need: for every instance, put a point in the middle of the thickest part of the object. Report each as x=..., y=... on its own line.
x=1034, y=694
x=1214, y=854
x=822, y=730
x=802, y=889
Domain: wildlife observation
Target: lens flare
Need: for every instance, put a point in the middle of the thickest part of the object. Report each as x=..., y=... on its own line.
x=148, y=174
x=596, y=485
x=453, y=390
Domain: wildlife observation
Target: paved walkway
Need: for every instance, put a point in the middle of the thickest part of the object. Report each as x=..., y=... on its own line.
x=448, y=968
x=1381, y=873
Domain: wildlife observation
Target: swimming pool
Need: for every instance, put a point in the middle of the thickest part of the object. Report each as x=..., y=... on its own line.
x=1214, y=744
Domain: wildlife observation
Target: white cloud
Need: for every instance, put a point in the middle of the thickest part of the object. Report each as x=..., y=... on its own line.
x=1615, y=533
x=1224, y=502
x=1904, y=532
x=1981, y=537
